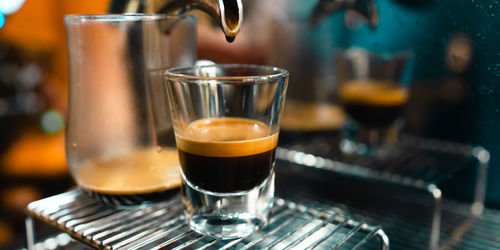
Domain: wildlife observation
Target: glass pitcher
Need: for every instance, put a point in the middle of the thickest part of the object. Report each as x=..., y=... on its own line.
x=119, y=138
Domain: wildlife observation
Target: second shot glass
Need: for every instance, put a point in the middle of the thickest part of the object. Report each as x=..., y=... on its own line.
x=373, y=93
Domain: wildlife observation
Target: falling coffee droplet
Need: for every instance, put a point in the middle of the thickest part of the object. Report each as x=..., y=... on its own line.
x=230, y=39
x=232, y=16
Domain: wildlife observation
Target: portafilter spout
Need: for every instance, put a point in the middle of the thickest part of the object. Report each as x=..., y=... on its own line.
x=227, y=13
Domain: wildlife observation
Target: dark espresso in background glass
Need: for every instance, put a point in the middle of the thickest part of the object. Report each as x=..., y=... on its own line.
x=373, y=103
x=227, y=155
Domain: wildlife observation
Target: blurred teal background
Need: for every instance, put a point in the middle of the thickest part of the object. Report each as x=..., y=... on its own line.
x=455, y=86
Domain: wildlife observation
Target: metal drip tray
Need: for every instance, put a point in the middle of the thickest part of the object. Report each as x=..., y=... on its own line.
x=413, y=180
x=460, y=229
x=416, y=162
x=162, y=225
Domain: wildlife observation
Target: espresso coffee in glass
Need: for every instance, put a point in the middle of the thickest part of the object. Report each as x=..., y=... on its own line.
x=227, y=155
x=372, y=103
x=226, y=122
x=373, y=93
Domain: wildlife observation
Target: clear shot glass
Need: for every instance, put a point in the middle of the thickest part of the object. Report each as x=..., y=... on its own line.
x=373, y=93
x=226, y=122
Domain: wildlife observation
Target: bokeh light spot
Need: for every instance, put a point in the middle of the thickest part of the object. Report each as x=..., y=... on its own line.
x=2, y=20
x=51, y=121
x=10, y=6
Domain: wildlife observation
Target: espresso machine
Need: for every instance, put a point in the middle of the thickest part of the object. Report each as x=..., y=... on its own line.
x=452, y=63
x=429, y=195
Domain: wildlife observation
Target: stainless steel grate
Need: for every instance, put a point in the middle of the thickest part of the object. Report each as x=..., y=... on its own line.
x=292, y=226
x=460, y=229
x=416, y=162
x=420, y=164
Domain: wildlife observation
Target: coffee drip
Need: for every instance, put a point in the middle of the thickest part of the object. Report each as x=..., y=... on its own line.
x=227, y=13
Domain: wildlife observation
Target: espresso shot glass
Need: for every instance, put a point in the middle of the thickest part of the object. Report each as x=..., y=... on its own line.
x=373, y=93
x=226, y=123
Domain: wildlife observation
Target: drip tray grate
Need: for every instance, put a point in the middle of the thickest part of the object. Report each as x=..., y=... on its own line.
x=162, y=225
